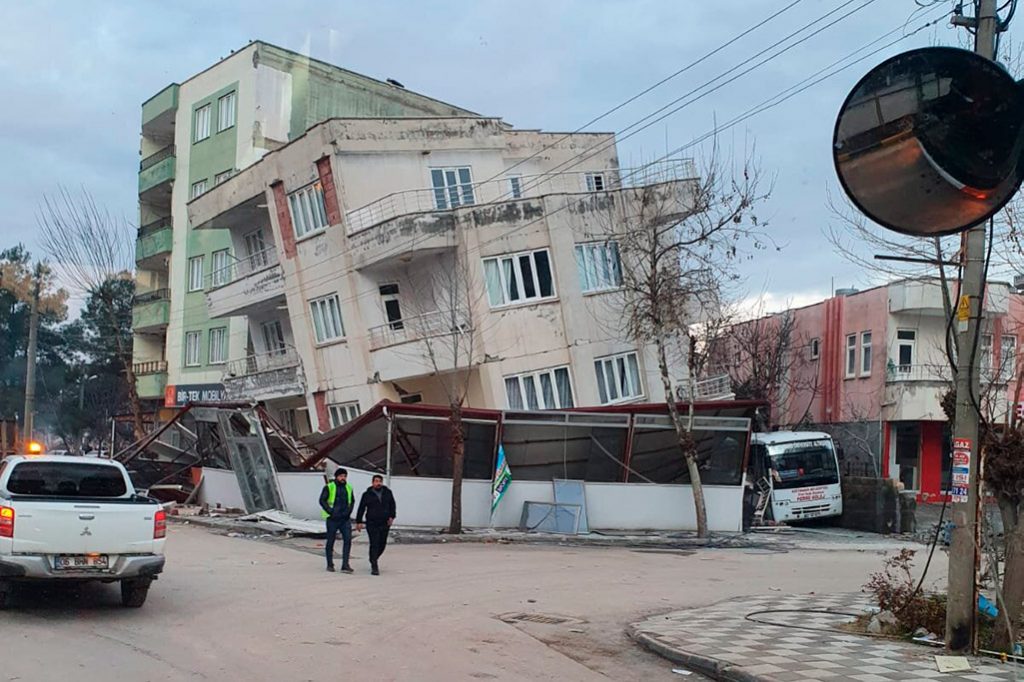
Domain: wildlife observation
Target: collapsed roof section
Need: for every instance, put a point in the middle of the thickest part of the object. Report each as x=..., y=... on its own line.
x=628, y=443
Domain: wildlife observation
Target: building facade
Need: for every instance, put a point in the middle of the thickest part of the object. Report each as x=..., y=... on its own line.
x=871, y=367
x=194, y=135
x=383, y=258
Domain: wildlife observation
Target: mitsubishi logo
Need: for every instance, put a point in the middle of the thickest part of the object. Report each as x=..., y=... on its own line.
x=86, y=531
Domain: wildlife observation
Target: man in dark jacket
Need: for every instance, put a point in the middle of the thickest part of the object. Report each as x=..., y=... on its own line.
x=378, y=506
x=336, y=504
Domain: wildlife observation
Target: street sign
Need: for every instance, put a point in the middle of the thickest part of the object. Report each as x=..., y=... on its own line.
x=929, y=142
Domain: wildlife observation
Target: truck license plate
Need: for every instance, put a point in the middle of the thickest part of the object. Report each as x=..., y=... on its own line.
x=80, y=561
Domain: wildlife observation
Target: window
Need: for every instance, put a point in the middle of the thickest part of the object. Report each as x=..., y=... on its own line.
x=518, y=278
x=599, y=266
x=452, y=187
x=343, y=413
x=226, y=112
x=851, y=355
x=201, y=123
x=195, y=273
x=221, y=268
x=986, y=355
x=815, y=349
x=549, y=389
x=327, y=318
x=273, y=337
x=218, y=346
x=256, y=250
x=1008, y=356
x=515, y=186
x=308, y=212
x=193, y=344
x=412, y=398
x=906, y=344
x=865, y=354
x=392, y=306
x=618, y=378
x=221, y=177
x=197, y=189
x=66, y=479
x=595, y=182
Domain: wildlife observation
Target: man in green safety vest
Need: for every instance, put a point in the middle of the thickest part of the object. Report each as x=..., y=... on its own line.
x=336, y=505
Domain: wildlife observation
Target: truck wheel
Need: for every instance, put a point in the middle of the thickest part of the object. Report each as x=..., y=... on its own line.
x=134, y=592
x=5, y=596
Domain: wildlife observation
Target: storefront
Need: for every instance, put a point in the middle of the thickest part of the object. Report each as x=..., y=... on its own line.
x=918, y=456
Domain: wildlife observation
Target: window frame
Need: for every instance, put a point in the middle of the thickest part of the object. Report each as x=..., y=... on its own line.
x=910, y=343
x=273, y=329
x=535, y=378
x=316, y=310
x=866, y=352
x=815, y=348
x=308, y=203
x=197, y=361
x=343, y=409
x=234, y=111
x=220, y=275
x=223, y=176
x=601, y=375
x=517, y=274
x=592, y=179
x=449, y=196
x=851, y=356
x=206, y=109
x=610, y=260
x=196, y=274
x=198, y=189
x=515, y=186
x=1007, y=370
x=222, y=333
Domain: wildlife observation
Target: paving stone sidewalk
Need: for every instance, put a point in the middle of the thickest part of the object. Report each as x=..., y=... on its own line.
x=789, y=644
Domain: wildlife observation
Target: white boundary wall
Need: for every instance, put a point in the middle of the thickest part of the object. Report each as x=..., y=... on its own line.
x=427, y=501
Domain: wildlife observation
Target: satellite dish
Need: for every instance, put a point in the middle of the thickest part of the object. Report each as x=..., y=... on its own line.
x=929, y=142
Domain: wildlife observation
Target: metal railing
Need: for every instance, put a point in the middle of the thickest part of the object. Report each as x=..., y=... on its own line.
x=151, y=296
x=154, y=227
x=283, y=358
x=240, y=268
x=418, y=327
x=430, y=199
x=156, y=157
x=896, y=372
x=149, y=367
x=713, y=388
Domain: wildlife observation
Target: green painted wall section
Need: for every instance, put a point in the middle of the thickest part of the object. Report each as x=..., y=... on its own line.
x=151, y=386
x=162, y=101
x=157, y=174
x=150, y=316
x=154, y=244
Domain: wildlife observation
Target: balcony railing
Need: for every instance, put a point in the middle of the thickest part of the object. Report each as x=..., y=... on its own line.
x=714, y=388
x=501, y=189
x=154, y=227
x=262, y=362
x=896, y=372
x=240, y=268
x=416, y=328
x=152, y=296
x=149, y=367
x=156, y=157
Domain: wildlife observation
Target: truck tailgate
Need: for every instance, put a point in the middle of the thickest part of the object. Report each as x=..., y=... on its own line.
x=64, y=527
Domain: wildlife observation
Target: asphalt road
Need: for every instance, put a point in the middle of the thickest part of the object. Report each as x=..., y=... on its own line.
x=240, y=609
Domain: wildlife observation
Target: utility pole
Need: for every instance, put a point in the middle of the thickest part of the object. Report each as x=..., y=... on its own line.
x=30, y=368
x=962, y=601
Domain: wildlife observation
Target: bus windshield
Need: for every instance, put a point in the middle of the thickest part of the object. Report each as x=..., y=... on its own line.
x=807, y=463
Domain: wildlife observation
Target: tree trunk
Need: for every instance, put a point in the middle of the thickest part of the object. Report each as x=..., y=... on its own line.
x=685, y=438
x=125, y=356
x=458, y=459
x=1013, y=576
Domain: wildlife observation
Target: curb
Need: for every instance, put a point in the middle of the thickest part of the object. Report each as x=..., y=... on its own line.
x=711, y=667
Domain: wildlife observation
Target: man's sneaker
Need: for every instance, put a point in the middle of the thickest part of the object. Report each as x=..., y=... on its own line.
x=347, y=569
x=374, y=570
x=330, y=569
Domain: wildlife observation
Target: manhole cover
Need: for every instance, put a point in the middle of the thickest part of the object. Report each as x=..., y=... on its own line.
x=542, y=618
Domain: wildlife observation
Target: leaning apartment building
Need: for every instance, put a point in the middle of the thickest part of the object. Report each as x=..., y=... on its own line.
x=348, y=241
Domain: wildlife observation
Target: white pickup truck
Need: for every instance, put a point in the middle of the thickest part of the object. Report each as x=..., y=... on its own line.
x=77, y=519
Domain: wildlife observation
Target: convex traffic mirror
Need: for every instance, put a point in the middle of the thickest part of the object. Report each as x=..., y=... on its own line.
x=929, y=142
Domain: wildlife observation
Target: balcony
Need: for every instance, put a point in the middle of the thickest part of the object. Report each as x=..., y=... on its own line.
x=402, y=349
x=151, y=311
x=245, y=286
x=924, y=297
x=929, y=373
x=156, y=175
x=158, y=114
x=265, y=376
x=150, y=378
x=153, y=245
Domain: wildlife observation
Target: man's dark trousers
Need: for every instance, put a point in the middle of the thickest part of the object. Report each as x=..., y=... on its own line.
x=378, y=536
x=333, y=526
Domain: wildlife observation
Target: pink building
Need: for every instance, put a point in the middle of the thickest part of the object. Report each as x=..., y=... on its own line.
x=871, y=368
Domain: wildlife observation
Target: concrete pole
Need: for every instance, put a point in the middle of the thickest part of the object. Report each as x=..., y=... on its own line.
x=963, y=554
x=30, y=365
x=390, y=422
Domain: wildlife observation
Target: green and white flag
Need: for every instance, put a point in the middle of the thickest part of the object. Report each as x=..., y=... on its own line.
x=502, y=477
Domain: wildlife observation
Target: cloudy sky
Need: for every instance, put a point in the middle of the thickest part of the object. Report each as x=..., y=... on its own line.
x=77, y=73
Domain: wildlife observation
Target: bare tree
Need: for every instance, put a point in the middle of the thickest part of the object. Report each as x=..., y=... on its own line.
x=442, y=319
x=679, y=243
x=91, y=247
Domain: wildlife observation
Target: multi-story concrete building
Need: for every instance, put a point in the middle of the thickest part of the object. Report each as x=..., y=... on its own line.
x=871, y=367
x=364, y=252
x=195, y=135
